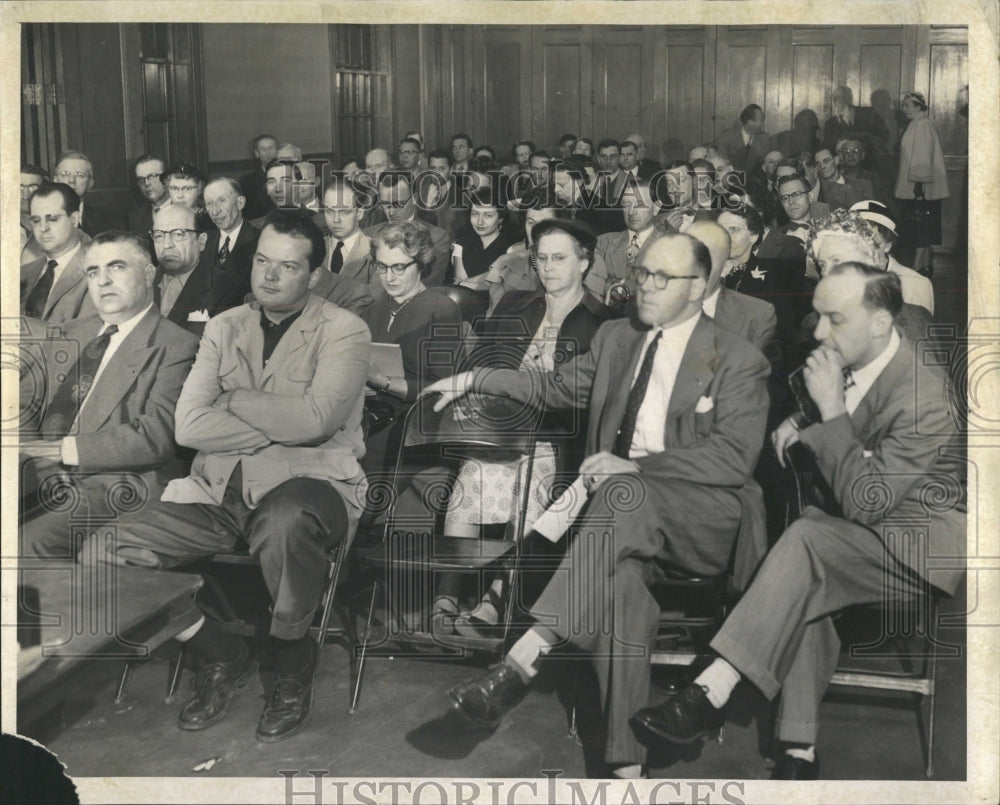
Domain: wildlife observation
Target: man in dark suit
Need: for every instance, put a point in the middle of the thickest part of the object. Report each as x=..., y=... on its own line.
x=273, y=405
x=117, y=442
x=628, y=161
x=395, y=191
x=54, y=287
x=148, y=170
x=683, y=453
x=293, y=185
x=75, y=169
x=883, y=424
x=265, y=148
x=856, y=122
x=184, y=276
x=746, y=143
x=836, y=190
x=230, y=245
x=647, y=167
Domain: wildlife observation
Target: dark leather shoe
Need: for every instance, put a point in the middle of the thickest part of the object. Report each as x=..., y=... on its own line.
x=289, y=706
x=215, y=684
x=682, y=719
x=488, y=697
x=795, y=768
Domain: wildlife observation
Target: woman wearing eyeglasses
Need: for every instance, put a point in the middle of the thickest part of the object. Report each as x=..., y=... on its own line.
x=921, y=183
x=403, y=257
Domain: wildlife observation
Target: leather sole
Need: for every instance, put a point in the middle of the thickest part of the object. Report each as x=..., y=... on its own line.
x=241, y=682
x=674, y=739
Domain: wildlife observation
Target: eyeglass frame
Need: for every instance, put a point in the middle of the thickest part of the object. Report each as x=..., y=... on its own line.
x=397, y=269
x=660, y=280
x=786, y=197
x=72, y=175
x=174, y=238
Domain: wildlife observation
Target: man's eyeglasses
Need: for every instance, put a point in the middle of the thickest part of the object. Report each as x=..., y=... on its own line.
x=182, y=188
x=394, y=205
x=792, y=196
x=408, y=151
x=149, y=178
x=176, y=235
x=851, y=151
x=660, y=280
x=65, y=176
x=397, y=269
x=27, y=189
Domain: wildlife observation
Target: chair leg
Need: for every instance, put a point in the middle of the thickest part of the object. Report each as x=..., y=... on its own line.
x=123, y=683
x=364, y=646
x=932, y=679
x=175, y=676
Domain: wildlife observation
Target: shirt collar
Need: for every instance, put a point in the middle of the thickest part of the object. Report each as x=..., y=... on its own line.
x=348, y=241
x=266, y=324
x=232, y=234
x=63, y=259
x=709, y=303
x=865, y=377
x=678, y=335
x=127, y=326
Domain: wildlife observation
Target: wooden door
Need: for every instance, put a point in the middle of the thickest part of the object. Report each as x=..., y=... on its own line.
x=562, y=83
x=505, y=86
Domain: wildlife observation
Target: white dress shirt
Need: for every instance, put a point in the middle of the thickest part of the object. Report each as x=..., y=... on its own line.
x=709, y=303
x=652, y=418
x=62, y=261
x=866, y=376
x=232, y=234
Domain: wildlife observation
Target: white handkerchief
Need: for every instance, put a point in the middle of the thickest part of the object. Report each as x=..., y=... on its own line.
x=704, y=404
x=867, y=454
x=198, y=315
x=557, y=518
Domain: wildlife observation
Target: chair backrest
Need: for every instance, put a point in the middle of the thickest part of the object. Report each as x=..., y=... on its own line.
x=471, y=304
x=480, y=420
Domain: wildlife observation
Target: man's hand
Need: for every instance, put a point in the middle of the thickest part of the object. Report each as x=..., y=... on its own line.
x=824, y=376
x=41, y=449
x=450, y=389
x=783, y=437
x=597, y=468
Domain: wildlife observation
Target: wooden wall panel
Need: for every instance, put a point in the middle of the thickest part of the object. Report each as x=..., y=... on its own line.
x=562, y=86
x=507, y=89
x=621, y=86
x=881, y=69
x=949, y=66
x=812, y=80
x=740, y=80
x=685, y=96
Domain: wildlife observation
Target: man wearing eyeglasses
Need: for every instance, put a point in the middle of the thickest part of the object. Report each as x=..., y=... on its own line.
x=76, y=170
x=409, y=155
x=274, y=406
x=53, y=286
x=395, y=193
x=32, y=177
x=793, y=193
x=836, y=190
x=148, y=170
x=677, y=407
x=184, y=277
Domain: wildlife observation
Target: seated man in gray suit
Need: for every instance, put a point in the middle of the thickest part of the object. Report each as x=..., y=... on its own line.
x=117, y=442
x=883, y=424
x=54, y=287
x=273, y=406
x=677, y=409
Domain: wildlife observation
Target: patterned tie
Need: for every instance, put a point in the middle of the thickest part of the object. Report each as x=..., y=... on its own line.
x=224, y=252
x=337, y=259
x=69, y=397
x=632, y=250
x=623, y=444
x=35, y=304
x=848, y=378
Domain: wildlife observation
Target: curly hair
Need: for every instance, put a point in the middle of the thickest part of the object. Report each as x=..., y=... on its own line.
x=850, y=223
x=413, y=238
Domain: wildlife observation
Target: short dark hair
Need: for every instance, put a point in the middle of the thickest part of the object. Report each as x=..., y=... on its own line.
x=750, y=215
x=71, y=200
x=440, y=153
x=413, y=237
x=567, y=138
x=488, y=149
x=412, y=141
x=518, y=144
x=139, y=242
x=391, y=178
x=795, y=178
x=482, y=164
x=299, y=224
x=183, y=170
x=541, y=154
x=883, y=290
x=462, y=136
x=485, y=197
x=627, y=144
x=259, y=137
x=359, y=161
x=35, y=170
x=573, y=166
x=705, y=165
x=795, y=164
x=751, y=112
x=608, y=142
x=150, y=157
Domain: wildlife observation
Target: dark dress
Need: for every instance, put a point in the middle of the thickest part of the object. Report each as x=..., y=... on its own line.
x=476, y=259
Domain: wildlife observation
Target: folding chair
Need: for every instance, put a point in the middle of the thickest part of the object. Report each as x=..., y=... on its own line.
x=216, y=601
x=414, y=549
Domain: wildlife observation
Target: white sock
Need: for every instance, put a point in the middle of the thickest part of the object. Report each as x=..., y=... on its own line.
x=719, y=679
x=807, y=753
x=633, y=772
x=191, y=631
x=526, y=652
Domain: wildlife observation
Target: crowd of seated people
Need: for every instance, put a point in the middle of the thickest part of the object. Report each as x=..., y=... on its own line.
x=667, y=304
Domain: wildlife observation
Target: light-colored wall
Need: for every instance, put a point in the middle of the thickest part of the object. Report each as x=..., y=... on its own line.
x=273, y=78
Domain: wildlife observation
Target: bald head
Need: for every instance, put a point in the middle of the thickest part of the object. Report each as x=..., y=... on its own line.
x=377, y=161
x=716, y=239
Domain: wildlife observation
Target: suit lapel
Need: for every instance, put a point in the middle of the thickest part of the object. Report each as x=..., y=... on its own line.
x=71, y=276
x=119, y=374
x=30, y=272
x=191, y=297
x=864, y=416
x=294, y=340
x=696, y=368
x=622, y=360
x=729, y=313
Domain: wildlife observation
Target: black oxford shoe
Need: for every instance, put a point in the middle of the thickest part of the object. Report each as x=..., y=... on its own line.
x=795, y=768
x=489, y=696
x=215, y=684
x=682, y=719
x=289, y=706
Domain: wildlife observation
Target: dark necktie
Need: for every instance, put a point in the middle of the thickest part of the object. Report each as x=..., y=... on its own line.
x=848, y=378
x=337, y=259
x=623, y=444
x=224, y=252
x=66, y=402
x=35, y=304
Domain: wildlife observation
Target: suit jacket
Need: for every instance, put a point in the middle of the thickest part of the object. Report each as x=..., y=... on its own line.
x=68, y=298
x=441, y=246
x=868, y=127
x=358, y=263
x=191, y=300
x=844, y=196
x=127, y=420
x=97, y=219
x=229, y=284
x=893, y=443
x=754, y=319
x=730, y=143
x=298, y=416
x=140, y=219
x=714, y=429
x=610, y=265
x=344, y=292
